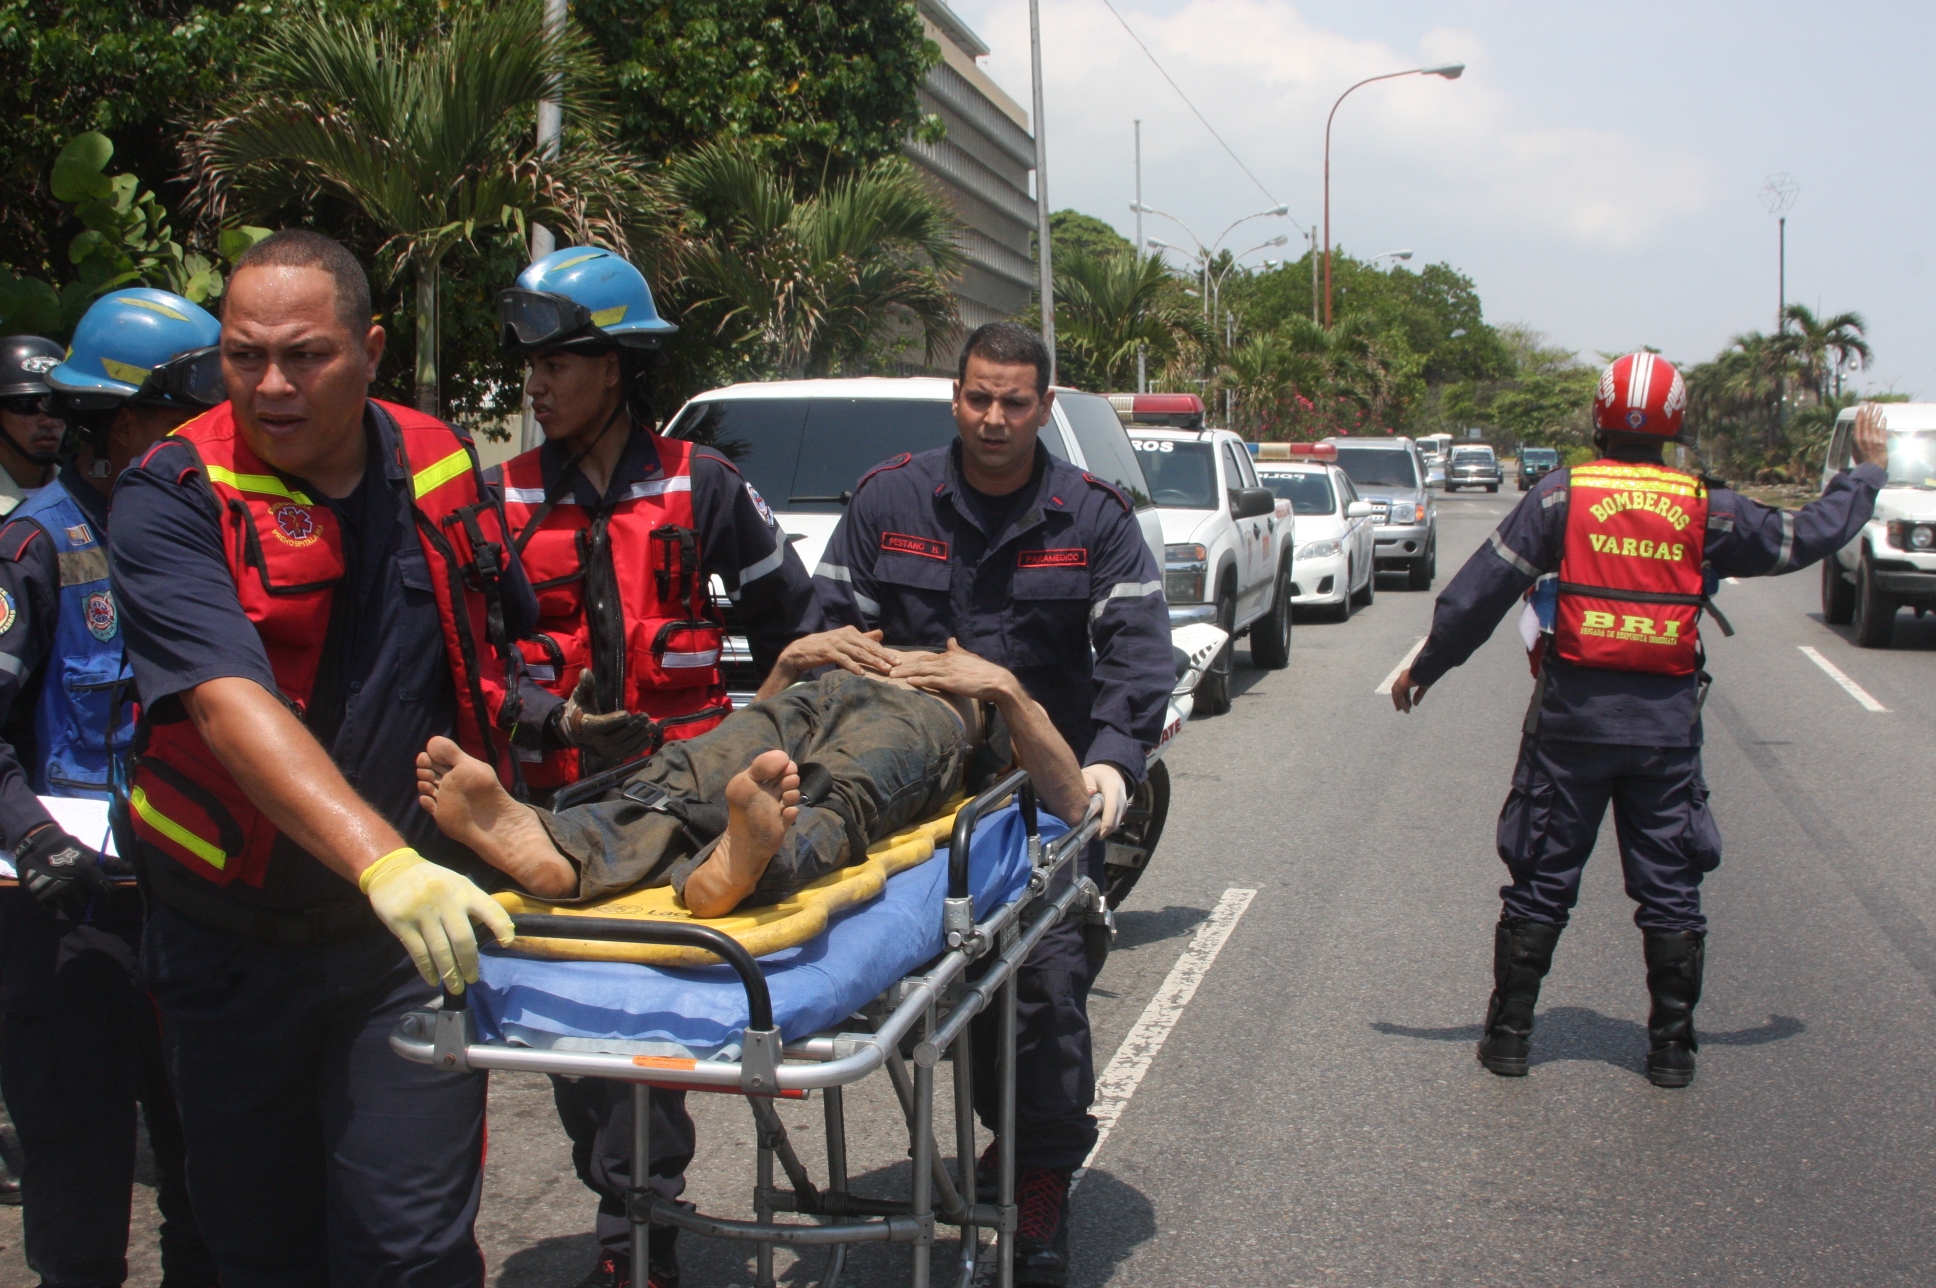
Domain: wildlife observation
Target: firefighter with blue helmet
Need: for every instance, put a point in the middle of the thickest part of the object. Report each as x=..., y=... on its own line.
x=79, y=1046
x=1620, y=556
x=621, y=531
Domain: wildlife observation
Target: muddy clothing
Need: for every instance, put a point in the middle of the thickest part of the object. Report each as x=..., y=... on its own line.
x=873, y=758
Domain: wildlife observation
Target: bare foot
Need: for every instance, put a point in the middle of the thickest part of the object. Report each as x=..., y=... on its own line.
x=762, y=801
x=472, y=808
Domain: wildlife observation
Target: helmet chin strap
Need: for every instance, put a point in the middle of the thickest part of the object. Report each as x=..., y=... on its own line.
x=38, y=458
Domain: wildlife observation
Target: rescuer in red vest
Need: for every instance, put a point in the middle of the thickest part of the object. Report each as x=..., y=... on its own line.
x=1616, y=708
x=621, y=532
x=310, y=583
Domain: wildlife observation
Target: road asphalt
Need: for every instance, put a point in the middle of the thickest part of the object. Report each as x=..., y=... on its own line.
x=1316, y=1117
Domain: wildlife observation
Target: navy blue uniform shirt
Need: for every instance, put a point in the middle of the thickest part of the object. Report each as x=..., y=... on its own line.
x=739, y=542
x=1070, y=573
x=185, y=626
x=1591, y=704
x=30, y=576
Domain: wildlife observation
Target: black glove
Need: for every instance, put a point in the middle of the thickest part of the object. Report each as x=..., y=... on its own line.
x=63, y=873
x=615, y=737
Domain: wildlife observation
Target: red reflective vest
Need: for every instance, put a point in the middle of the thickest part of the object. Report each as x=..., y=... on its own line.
x=621, y=590
x=1631, y=582
x=285, y=551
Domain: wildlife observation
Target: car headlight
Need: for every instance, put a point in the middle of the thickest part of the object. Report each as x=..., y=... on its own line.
x=1404, y=513
x=1186, y=568
x=1319, y=549
x=1919, y=537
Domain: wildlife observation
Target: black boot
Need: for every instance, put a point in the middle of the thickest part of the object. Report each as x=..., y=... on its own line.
x=1674, y=962
x=1042, y=1226
x=1522, y=953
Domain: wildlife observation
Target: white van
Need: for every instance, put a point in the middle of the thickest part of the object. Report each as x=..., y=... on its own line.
x=1891, y=564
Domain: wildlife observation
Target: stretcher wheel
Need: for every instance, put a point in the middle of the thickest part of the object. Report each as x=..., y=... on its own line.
x=1127, y=853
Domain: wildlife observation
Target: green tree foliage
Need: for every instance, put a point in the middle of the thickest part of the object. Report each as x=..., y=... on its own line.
x=1763, y=407
x=1109, y=306
x=821, y=86
x=836, y=282
x=1072, y=232
x=431, y=141
x=126, y=239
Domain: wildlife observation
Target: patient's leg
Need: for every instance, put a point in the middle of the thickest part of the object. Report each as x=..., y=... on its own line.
x=762, y=801
x=472, y=808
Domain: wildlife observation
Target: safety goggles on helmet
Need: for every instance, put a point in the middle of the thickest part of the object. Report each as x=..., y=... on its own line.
x=535, y=319
x=191, y=379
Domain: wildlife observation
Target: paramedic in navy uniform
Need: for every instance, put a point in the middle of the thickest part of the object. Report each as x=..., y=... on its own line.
x=1030, y=563
x=312, y=583
x=1611, y=719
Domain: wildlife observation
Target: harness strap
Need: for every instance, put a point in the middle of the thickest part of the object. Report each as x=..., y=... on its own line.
x=1631, y=596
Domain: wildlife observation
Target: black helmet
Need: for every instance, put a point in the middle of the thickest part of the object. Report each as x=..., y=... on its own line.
x=25, y=361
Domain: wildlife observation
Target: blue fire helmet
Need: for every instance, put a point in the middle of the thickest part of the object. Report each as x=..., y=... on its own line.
x=580, y=297
x=144, y=345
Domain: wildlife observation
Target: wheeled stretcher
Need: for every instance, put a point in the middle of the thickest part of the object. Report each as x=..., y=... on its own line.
x=891, y=984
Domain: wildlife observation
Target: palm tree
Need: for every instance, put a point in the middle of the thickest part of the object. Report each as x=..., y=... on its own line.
x=1107, y=307
x=433, y=144
x=1821, y=346
x=821, y=283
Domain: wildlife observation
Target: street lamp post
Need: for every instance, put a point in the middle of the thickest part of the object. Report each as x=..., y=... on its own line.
x=1450, y=72
x=551, y=127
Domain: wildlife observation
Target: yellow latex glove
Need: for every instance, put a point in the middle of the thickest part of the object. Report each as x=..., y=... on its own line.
x=430, y=909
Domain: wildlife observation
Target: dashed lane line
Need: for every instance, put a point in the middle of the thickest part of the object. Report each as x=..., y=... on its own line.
x=1834, y=672
x=1403, y=662
x=1139, y=1050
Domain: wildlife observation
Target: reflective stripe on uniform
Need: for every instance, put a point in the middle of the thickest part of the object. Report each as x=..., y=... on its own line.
x=266, y=484
x=709, y=658
x=1507, y=553
x=431, y=477
x=833, y=572
x=1551, y=499
x=1720, y=522
x=866, y=605
x=657, y=487
x=753, y=572
x=11, y=664
x=168, y=827
x=525, y=495
x=1124, y=590
x=1787, y=540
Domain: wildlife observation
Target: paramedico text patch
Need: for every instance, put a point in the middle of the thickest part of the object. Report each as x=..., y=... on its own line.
x=926, y=547
x=1074, y=557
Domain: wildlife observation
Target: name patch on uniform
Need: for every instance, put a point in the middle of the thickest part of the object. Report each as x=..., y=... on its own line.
x=1075, y=557
x=926, y=547
x=7, y=613
x=100, y=615
x=295, y=525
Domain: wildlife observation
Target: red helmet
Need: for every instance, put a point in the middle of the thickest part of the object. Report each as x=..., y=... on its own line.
x=1641, y=394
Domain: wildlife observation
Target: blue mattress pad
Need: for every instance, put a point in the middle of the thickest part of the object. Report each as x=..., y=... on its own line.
x=700, y=1011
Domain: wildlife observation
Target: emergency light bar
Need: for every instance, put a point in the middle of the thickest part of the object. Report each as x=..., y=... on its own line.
x=1174, y=411
x=1315, y=451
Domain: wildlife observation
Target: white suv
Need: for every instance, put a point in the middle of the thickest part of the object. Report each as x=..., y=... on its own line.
x=1891, y=564
x=1227, y=545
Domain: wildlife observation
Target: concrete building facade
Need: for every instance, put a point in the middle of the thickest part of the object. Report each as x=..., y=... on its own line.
x=982, y=167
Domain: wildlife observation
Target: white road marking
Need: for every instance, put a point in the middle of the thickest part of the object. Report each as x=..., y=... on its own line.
x=1733, y=581
x=1139, y=1050
x=1856, y=691
x=1399, y=670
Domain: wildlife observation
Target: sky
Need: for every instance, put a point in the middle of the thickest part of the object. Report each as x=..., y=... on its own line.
x=1596, y=171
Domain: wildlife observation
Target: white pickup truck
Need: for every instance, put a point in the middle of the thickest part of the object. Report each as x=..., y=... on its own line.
x=1228, y=543
x=803, y=444
x=1891, y=564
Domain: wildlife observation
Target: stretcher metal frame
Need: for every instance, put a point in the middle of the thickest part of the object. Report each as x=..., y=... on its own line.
x=932, y=1009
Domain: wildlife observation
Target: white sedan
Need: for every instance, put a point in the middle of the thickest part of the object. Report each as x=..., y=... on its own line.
x=1333, y=567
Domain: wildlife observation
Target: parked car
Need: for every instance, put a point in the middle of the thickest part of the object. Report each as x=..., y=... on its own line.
x=1891, y=564
x=1333, y=565
x=1535, y=463
x=1434, y=469
x=1390, y=474
x=1473, y=465
x=1227, y=546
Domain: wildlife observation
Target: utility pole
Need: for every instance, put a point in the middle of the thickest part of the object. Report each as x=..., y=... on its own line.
x=1045, y=274
x=551, y=127
x=1142, y=351
x=1777, y=195
x=1312, y=237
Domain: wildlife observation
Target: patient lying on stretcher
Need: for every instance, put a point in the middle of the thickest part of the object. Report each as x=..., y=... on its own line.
x=792, y=787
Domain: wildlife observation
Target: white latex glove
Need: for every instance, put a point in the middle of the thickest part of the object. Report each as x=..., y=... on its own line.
x=429, y=909
x=1107, y=781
